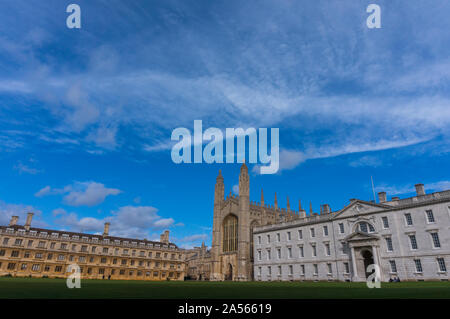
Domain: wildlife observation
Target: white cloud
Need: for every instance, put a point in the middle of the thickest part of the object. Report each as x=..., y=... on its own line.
x=195, y=237
x=7, y=210
x=81, y=193
x=406, y=189
x=289, y=159
x=128, y=221
x=191, y=241
x=236, y=189
x=366, y=161
x=22, y=168
x=14, y=86
x=44, y=191
x=88, y=194
x=104, y=137
x=59, y=212
x=84, y=224
x=438, y=186
x=306, y=77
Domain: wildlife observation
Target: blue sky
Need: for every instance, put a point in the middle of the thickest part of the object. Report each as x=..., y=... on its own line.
x=86, y=115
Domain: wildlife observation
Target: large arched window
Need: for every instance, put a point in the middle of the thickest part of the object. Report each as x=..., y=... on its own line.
x=230, y=233
x=365, y=227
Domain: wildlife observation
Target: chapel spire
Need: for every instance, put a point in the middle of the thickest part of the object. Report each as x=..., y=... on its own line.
x=276, y=201
x=262, y=197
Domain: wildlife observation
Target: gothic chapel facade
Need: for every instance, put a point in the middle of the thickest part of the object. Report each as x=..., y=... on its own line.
x=233, y=223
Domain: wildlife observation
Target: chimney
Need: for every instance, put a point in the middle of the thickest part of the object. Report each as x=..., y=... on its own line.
x=420, y=189
x=14, y=220
x=28, y=222
x=164, y=238
x=382, y=197
x=106, y=229
x=396, y=198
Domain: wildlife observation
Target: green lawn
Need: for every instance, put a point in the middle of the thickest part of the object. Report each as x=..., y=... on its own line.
x=56, y=288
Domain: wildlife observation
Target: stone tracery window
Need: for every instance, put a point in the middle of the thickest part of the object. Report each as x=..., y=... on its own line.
x=230, y=234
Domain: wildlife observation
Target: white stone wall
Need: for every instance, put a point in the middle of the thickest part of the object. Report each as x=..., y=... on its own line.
x=398, y=231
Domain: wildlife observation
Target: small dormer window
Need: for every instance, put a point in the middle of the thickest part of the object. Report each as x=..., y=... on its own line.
x=54, y=235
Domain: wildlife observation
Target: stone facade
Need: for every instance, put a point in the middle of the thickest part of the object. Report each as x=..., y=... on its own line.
x=198, y=263
x=233, y=222
x=37, y=252
x=407, y=238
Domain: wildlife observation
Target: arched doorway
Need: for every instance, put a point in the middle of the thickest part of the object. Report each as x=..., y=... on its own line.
x=229, y=274
x=368, y=260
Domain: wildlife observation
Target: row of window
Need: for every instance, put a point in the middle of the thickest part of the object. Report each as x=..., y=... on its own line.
x=436, y=243
x=329, y=268
x=362, y=226
x=301, y=252
x=89, y=271
x=22, y=232
x=103, y=260
x=418, y=265
x=327, y=250
x=85, y=248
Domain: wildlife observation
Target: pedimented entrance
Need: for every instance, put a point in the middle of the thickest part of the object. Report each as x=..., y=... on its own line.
x=363, y=252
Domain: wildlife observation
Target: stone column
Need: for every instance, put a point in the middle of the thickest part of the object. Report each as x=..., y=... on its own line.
x=355, y=272
x=376, y=261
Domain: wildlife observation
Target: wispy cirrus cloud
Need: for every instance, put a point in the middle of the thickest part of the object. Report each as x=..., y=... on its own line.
x=26, y=169
x=289, y=159
x=275, y=76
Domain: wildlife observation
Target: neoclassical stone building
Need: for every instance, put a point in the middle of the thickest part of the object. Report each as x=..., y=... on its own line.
x=234, y=219
x=36, y=252
x=407, y=238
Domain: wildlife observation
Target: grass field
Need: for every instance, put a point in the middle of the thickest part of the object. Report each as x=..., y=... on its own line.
x=56, y=288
